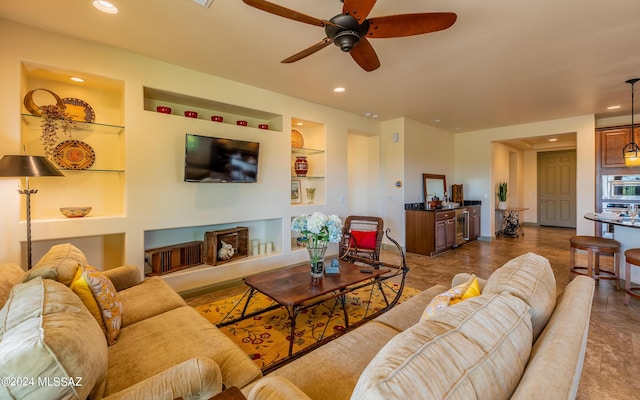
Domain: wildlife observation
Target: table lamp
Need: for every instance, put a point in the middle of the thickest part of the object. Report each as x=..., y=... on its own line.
x=27, y=166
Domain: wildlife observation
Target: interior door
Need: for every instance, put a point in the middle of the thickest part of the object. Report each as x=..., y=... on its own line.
x=557, y=188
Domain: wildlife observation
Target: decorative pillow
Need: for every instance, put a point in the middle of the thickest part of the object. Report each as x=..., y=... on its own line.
x=47, y=333
x=363, y=239
x=10, y=275
x=101, y=298
x=472, y=291
x=65, y=258
x=530, y=278
x=443, y=300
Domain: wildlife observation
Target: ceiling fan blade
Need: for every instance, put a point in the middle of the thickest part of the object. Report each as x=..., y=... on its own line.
x=358, y=9
x=409, y=24
x=286, y=13
x=308, y=51
x=364, y=54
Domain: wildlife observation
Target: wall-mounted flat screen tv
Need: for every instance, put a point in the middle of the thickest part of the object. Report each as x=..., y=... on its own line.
x=211, y=159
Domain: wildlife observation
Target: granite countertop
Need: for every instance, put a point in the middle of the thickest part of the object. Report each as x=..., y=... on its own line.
x=614, y=218
x=420, y=206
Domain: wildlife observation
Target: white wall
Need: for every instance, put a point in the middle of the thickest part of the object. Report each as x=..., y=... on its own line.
x=473, y=154
x=156, y=196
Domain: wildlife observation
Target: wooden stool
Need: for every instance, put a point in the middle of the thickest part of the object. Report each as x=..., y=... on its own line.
x=632, y=257
x=595, y=247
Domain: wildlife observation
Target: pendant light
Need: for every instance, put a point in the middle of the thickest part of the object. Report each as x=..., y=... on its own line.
x=631, y=151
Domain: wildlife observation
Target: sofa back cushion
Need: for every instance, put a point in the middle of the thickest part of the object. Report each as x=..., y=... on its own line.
x=10, y=275
x=477, y=348
x=48, y=335
x=530, y=278
x=64, y=259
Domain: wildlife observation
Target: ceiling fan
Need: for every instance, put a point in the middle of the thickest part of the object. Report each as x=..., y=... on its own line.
x=351, y=29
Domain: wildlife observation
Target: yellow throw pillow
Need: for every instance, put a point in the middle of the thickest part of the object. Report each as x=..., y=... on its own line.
x=90, y=284
x=472, y=291
x=449, y=297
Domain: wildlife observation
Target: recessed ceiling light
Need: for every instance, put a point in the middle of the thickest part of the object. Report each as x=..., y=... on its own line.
x=437, y=121
x=339, y=89
x=299, y=124
x=105, y=7
x=76, y=79
x=552, y=139
x=204, y=3
x=613, y=107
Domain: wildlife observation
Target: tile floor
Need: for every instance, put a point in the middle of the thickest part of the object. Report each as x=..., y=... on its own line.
x=612, y=361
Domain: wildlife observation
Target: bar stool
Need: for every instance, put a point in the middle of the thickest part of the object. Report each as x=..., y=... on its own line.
x=595, y=247
x=632, y=257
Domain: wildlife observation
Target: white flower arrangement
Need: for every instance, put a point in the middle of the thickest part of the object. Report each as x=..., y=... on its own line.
x=318, y=228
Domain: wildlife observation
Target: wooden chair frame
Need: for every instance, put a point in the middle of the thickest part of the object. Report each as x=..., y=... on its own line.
x=348, y=248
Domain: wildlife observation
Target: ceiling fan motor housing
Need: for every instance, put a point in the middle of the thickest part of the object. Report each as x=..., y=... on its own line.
x=347, y=31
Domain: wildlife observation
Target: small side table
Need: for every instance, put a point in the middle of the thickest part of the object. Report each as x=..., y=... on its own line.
x=511, y=222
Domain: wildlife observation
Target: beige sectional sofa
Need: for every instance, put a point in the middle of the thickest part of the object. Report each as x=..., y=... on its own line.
x=52, y=347
x=517, y=340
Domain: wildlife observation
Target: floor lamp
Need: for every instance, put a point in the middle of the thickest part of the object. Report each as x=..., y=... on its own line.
x=27, y=166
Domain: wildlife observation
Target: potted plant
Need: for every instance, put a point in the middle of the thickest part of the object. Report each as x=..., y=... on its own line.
x=501, y=193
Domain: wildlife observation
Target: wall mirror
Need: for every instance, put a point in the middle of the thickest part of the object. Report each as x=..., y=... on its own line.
x=434, y=185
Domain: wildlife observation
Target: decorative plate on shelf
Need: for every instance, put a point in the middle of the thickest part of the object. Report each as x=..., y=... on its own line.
x=297, y=141
x=79, y=110
x=74, y=154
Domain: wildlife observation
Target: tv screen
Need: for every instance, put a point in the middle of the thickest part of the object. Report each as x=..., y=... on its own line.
x=210, y=159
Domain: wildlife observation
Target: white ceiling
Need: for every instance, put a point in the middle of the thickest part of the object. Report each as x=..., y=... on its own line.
x=502, y=63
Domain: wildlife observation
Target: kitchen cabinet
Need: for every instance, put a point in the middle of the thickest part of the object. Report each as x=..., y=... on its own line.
x=430, y=232
x=474, y=222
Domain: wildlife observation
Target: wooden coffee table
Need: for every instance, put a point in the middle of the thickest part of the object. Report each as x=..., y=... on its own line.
x=295, y=290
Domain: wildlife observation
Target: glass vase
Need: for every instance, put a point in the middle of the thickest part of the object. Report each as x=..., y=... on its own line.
x=316, y=258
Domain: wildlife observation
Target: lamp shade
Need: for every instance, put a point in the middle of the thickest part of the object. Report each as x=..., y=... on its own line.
x=23, y=165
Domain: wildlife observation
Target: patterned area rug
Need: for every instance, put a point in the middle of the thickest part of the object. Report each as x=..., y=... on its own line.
x=265, y=337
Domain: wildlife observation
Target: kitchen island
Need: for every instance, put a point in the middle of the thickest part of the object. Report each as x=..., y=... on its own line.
x=626, y=231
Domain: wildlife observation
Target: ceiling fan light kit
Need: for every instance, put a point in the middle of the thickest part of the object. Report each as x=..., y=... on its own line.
x=351, y=29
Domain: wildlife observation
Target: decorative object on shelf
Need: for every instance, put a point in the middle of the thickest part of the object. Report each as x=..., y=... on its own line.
x=54, y=118
x=501, y=193
x=216, y=118
x=263, y=126
x=319, y=229
x=301, y=166
x=75, y=212
x=297, y=141
x=33, y=108
x=301, y=241
x=226, y=251
x=241, y=123
x=631, y=151
x=311, y=192
x=296, y=194
x=333, y=268
x=163, y=109
x=191, y=114
x=27, y=166
x=79, y=110
x=74, y=154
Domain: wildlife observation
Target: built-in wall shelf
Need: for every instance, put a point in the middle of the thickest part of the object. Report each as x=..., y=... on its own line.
x=313, y=145
x=206, y=108
x=35, y=121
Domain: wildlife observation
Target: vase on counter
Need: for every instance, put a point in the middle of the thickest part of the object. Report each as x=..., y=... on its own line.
x=301, y=166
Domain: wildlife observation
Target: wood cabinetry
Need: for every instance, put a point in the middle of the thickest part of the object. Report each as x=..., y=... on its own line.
x=474, y=222
x=430, y=232
x=612, y=141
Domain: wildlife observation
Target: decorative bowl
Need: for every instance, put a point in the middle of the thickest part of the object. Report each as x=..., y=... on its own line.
x=263, y=126
x=75, y=212
x=241, y=123
x=163, y=109
x=191, y=114
x=216, y=118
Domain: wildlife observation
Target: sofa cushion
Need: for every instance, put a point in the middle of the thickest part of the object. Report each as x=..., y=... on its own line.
x=475, y=349
x=530, y=278
x=408, y=313
x=10, y=275
x=141, y=301
x=154, y=344
x=47, y=333
x=65, y=258
x=101, y=299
